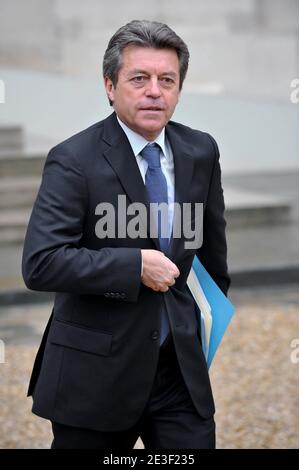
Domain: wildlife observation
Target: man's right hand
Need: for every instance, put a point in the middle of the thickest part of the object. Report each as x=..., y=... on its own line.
x=158, y=271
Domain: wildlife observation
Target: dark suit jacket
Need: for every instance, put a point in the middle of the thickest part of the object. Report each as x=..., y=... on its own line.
x=98, y=357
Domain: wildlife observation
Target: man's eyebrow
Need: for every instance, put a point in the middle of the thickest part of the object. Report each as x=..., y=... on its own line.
x=136, y=71
x=170, y=74
x=145, y=72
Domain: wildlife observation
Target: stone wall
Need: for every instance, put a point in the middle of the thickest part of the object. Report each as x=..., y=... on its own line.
x=238, y=47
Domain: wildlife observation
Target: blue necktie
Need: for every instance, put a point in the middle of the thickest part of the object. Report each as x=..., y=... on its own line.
x=156, y=188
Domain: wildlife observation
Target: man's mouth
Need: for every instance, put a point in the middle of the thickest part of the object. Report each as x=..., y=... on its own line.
x=152, y=108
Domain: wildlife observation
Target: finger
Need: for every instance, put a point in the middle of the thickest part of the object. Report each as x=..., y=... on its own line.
x=174, y=271
x=164, y=289
x=177, y=273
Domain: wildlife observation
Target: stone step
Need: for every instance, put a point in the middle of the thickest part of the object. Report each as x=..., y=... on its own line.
x=18, y=193
x=14, y=164
x=11, y=137
x=13, y=225
x=246, y=208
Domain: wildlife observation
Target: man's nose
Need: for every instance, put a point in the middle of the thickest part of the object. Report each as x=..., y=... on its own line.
x=153, y=88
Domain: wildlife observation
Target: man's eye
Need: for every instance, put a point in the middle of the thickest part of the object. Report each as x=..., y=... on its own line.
x=167, y=80
x=139, y=78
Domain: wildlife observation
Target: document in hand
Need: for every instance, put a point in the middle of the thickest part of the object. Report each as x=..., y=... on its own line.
x=214, y=309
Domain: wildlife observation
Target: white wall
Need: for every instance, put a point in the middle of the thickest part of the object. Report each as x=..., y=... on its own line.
x=252, y=135
x=247, y=47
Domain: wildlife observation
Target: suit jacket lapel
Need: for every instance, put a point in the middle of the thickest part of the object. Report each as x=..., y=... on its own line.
x=122, y=159
x=183, y=172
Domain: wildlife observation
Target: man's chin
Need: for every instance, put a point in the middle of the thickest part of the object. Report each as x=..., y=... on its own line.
x=152, y=124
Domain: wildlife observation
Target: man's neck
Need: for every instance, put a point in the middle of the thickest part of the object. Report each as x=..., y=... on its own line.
x=150, y=137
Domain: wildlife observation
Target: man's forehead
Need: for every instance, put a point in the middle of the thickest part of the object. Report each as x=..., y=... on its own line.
x=141, y=58
x=139, y=48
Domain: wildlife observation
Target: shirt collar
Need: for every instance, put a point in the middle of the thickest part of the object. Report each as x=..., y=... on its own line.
x=138, y=142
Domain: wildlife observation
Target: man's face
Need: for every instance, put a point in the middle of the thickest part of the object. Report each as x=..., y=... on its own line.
x=147, y=90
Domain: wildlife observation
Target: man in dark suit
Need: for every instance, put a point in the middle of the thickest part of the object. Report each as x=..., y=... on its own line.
x=121, y=355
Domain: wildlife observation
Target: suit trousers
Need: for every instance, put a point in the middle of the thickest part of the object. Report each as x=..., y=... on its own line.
x=169, y=420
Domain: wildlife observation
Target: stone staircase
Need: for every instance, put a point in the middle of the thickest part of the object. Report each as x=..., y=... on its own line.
x=11, y=137
x=21, y=166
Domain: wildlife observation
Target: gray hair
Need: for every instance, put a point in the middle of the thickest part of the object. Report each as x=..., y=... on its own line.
x=143, y=33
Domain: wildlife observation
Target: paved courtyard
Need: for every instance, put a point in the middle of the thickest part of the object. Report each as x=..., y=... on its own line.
x=254, y=381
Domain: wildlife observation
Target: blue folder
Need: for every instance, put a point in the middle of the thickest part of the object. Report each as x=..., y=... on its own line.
x=222, y=309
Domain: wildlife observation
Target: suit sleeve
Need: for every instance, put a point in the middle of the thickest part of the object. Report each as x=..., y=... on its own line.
x=53, y=259
x=213, y=252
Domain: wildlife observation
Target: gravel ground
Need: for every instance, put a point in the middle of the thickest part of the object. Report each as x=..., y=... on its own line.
x=254, y=381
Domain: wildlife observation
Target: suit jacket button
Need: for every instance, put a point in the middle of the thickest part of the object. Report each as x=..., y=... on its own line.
x=155, y=335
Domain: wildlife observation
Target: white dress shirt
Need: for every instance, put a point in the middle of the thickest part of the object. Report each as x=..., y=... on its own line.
x=166, y=156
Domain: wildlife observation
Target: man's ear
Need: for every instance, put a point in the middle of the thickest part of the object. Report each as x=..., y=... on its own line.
x=109, y=88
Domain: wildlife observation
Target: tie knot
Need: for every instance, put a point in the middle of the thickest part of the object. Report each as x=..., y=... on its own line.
x=151, y=154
